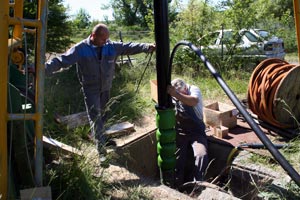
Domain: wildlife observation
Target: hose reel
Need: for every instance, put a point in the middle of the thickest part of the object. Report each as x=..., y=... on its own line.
x=274, y=93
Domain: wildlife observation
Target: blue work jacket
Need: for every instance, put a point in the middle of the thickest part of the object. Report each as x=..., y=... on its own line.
x=94, y=73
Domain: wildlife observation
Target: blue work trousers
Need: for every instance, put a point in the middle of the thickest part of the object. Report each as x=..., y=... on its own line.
x=198, y=144
x=95, y=103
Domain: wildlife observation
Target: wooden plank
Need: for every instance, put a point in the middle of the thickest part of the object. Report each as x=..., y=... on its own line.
x=41, y=193
x=220, y=114
x=153, y=92
x=220, y=131
x=119, y=129
x=211, y=117
x=73, y=120
x=64, y=148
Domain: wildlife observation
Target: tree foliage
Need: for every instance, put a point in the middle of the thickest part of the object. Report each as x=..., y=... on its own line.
x=276, y=16
x=131, y=12
x=59, y=28
x=193, y=21
x=200, y=17
x=82, y=19
x=136, y=13
x=240, y=15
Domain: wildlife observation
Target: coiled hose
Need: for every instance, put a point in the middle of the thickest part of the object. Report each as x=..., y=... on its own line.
x=263, y=138
x=273, y=94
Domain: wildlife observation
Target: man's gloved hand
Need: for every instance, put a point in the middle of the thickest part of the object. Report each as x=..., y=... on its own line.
x=152, y=47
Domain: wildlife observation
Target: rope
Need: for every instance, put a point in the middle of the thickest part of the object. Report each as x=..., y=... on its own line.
x=262, y=87
x=26, y=98
x=137, y=88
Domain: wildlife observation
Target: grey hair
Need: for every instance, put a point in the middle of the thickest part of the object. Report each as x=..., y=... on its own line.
x=179, y=84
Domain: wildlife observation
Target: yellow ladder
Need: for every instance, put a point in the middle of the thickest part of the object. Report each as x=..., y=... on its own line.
x=18, y=23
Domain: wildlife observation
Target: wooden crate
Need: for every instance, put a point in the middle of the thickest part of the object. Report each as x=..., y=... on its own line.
x=220, y=114
x=153, y=86
x=220, y=132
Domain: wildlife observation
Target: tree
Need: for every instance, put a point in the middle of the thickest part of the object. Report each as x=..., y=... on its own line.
x=82, y=19
x=275, y=16
x=194, y=21
x=241, y=14
x=131, y=12
x=59, y=29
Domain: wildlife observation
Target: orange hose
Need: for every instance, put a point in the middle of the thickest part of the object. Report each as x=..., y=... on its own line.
x=262, y=88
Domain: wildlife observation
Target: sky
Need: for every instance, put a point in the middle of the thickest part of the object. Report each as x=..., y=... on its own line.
x=93, y=7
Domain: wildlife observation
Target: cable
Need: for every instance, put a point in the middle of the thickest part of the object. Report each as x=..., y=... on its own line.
x=147, y=65
x=26, y=97
x=11, y=124
x=11, y=110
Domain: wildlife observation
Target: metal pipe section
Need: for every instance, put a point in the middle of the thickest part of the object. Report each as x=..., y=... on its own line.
x=297, y=25
x=162, y=52
x=25, y=22
x=165, y=118
x=4, y=15
x=27, y=116
x=263, y=138
x=40, y=78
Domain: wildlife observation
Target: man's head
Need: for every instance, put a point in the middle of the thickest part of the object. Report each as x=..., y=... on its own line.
x=100, y=35
x=179, y=85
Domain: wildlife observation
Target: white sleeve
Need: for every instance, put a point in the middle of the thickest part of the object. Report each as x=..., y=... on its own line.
x=195, y=92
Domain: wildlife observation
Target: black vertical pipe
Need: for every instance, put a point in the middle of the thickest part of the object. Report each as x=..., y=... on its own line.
x=165, y=118
x=162, y=52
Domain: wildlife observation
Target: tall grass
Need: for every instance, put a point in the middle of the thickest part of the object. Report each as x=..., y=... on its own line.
x=130, y=101
x=72, y=177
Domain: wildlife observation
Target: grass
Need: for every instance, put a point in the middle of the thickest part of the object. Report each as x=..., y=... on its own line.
x=285, y=189
x=292, y=57
x=130, y=101
x=72, y=178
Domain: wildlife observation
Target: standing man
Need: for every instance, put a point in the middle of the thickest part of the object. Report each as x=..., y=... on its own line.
x=190, y=130
x=96, y=57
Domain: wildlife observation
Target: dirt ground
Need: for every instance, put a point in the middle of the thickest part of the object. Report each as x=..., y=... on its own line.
x=155, y=190
x=119, y=175
x=125, y=180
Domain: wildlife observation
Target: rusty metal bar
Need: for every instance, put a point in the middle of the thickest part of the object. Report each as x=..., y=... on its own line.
x=25, y=22
x=3, y=97
x=18, y=13
x=17, y=116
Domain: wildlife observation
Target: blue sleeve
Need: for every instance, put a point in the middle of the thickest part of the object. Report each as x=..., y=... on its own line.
x=129, y=48
x=63, y=61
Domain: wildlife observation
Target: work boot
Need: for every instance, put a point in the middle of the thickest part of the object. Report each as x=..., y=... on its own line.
x=110, y=143
x=104, y=162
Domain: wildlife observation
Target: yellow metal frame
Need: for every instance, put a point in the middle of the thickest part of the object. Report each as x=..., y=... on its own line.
x=18, y=22
x=3, y=97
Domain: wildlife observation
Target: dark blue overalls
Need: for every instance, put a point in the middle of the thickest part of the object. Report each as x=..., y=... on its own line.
x=190, y=133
